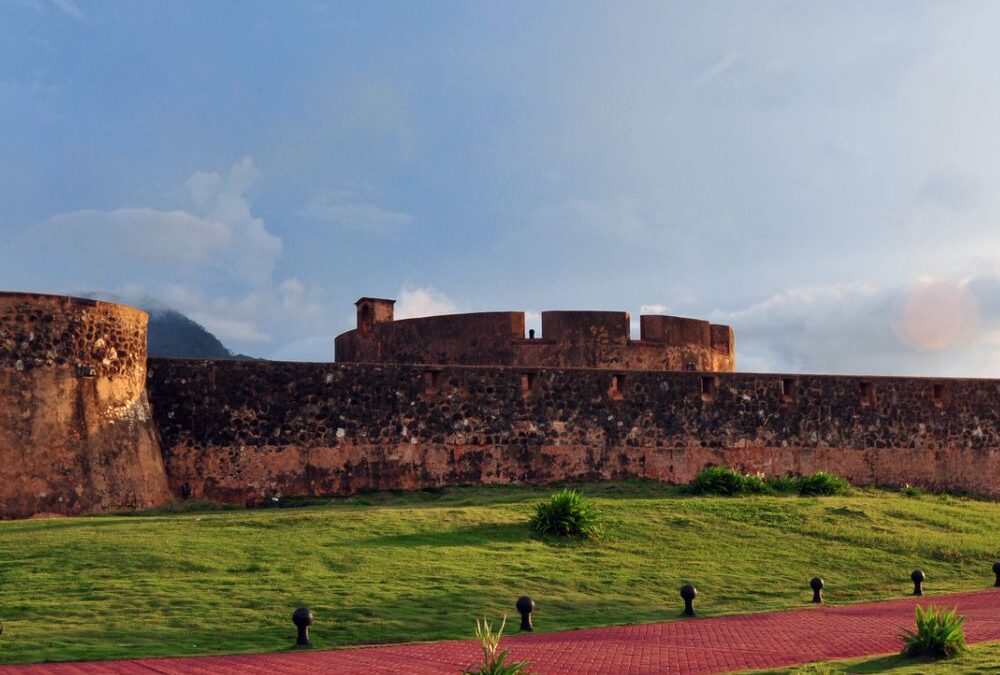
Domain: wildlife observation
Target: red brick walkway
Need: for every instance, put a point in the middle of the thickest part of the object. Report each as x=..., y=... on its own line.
x=690, y=646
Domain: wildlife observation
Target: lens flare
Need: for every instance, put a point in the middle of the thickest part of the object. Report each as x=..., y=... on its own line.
x=937, y=315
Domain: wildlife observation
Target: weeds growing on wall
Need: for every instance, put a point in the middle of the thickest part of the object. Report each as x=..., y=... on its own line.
x=566, y=514
x=721, y=480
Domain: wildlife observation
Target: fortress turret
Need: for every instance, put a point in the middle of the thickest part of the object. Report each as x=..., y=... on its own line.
x=569, y=339
x=76, y=433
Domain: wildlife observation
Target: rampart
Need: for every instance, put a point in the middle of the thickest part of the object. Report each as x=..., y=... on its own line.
x=247, y=432
x=76, y=434
x=568, y=340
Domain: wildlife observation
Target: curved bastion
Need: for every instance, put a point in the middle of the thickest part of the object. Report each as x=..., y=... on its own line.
x=76, y=433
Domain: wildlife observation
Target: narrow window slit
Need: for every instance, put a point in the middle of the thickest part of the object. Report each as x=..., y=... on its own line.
x=528, y=381
x=788, y=389
x=937, y=393
x=867, y=390
x=432, y=381
x=709, y=387
x=616, y=391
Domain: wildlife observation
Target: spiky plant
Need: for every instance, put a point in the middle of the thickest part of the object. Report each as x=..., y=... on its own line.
x=939, y=633
x=567, y=514
x=495, y=661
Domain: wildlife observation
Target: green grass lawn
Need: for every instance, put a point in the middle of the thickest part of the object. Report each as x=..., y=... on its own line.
x=983, y=659
x=402, y=567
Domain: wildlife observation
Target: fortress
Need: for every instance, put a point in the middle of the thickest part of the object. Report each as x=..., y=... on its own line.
x=89, y=424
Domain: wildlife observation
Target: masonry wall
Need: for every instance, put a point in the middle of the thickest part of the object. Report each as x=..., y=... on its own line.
x=76, y=434
x=572, y=339
x=244, y=432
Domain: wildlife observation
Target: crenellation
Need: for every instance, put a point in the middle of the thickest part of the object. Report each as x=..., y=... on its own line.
x=569, y=339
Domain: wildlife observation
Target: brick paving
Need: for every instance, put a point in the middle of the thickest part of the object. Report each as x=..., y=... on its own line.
x=715, y=645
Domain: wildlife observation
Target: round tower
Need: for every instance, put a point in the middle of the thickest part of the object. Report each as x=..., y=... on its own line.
x=76, y=435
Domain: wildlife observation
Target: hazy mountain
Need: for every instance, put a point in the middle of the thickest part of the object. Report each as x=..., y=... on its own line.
x=172, y=334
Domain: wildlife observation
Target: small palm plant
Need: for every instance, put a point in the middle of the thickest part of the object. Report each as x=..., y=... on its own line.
x=939, y=634
x=566, y=514
x=494, y=661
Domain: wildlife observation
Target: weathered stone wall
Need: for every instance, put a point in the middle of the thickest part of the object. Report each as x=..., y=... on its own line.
x=568, y=340
x=244, y=432
x=76, y=435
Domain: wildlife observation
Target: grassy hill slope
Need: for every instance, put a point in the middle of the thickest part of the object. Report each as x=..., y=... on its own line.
x=390, y=567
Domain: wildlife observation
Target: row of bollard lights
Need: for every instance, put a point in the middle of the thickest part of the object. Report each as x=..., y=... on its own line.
x=303, y=618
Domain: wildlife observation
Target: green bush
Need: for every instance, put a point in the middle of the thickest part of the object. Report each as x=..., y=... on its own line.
x=494, y=661
x=721, y=480
x=822, y=483
x=567, y=513
x=717, y=480
x=939, y=634
x=912, y=491
x=783, y=485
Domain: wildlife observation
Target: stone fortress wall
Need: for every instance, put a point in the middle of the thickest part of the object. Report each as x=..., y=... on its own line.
x=76, y=434
x=247, y=432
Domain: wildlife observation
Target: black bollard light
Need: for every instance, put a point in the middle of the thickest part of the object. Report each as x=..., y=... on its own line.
x=817, y=585
x=688, y=593
x=302, y=618
x=996, y=571
x=525, y=606
x=918, y=577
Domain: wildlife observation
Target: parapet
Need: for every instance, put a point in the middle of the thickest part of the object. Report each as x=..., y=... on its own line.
x=569, y=339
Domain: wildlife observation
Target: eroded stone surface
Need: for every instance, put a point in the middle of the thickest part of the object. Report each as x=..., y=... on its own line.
x=76, y=435
x=246, y=432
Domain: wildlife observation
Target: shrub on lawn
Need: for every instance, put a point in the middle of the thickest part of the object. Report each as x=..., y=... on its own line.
x=783, y=485
x=822, y=483
x=494, y=661
x=721, y=480
x=567, y=513
x=939, y=634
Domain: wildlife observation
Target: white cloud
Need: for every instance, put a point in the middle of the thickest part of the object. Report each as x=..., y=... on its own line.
x=653, y=309
x=213, y=261
x=415, y=301
x=166, y=237
x=343, y=210
x=931, y=327
x=221, y=236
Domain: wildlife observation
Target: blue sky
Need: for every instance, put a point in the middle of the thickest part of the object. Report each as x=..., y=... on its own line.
x=823, y=176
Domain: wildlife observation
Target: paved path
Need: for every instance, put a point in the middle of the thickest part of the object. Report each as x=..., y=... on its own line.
x=689, y=646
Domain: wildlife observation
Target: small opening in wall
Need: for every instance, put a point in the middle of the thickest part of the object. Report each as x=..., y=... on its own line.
x=616, y=391
x=867, y=393
x=432, y=381
x=365, y=319
x=937, y=394
x=789, y=387
x=709, y=386
x=528, y=384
